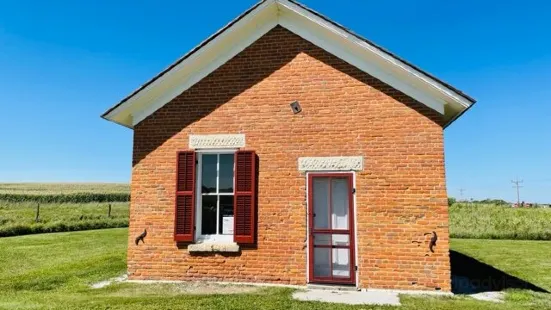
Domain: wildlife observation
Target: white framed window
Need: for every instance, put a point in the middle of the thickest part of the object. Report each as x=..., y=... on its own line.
x=215, y=192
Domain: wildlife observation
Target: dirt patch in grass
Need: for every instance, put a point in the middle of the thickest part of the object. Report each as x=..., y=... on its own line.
x=215, y=288
x=191, y=288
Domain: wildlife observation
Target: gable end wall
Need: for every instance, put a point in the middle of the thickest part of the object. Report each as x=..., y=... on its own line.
x=400, y=193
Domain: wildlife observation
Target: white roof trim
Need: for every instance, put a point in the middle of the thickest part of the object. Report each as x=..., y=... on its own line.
x=256, y=23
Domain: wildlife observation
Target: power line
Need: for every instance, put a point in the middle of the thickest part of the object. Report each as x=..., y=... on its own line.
x=517, y=185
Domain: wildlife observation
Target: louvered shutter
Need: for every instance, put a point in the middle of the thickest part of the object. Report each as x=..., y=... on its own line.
x=244, y=230
x=184, y=223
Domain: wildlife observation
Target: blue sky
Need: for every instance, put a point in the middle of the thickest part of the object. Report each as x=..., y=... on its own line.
x=62, y=63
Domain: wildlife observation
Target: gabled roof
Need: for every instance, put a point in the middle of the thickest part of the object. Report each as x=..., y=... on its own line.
x=311, y=26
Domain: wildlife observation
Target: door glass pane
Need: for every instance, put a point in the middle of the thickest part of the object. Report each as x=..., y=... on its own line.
x=342, y=240
x=225, y=184
x=208, y=175
x=208, y=215
x=339, y=200
x=321, y=202
x=341, y=262
x=322, y=239
x=328, y=239
x=322, y=262
x=226, y=215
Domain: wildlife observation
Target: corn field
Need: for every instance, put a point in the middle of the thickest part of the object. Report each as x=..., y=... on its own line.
x=40, y=208
x=64, y=192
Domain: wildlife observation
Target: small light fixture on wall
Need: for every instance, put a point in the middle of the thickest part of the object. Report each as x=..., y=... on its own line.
x=295, y=106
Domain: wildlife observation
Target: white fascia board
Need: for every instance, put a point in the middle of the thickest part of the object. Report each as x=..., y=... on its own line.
x=212, y=56
x=339, y=43
x=415, y=76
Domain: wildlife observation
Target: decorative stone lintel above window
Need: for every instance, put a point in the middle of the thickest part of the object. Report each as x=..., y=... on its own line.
x=225, y=141
x=213, y=247
x=337, y=163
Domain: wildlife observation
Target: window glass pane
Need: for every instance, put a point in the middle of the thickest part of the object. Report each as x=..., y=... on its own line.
x=208, y=215
x=321, y=202
x=226, y=215
x=208, y=175
x=225, y=184
x=339, y=197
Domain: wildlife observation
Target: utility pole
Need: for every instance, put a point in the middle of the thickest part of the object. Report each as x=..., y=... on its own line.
x=517, y=183
x=461, y=190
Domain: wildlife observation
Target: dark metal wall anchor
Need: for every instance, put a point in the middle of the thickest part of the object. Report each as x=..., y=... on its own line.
x=433, y=240
x=141, y=237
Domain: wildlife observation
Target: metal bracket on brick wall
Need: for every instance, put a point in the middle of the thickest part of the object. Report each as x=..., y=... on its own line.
x=141, y=237
x=433, y=240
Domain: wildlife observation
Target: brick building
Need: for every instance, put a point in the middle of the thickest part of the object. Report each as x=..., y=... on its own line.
x=286, y=149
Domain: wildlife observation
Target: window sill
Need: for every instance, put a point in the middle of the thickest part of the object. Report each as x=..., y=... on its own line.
x=228, y=247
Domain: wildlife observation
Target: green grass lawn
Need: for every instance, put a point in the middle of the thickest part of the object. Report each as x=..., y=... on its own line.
x=53, y=271
x=527, y=260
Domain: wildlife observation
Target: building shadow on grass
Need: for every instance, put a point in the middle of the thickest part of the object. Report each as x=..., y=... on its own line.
x=470, y=276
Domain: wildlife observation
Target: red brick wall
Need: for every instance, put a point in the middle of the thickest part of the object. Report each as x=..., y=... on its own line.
x=401, y=193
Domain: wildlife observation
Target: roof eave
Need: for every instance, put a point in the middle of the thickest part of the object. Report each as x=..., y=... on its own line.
x=458, y=115
x=447, y=93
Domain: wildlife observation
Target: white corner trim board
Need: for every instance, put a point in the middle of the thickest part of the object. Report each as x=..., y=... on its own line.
x=337, y=163
x=232, y=141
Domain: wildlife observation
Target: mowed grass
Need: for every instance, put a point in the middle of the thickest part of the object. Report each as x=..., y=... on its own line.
x=48, y=262
x=54, y=271
x=525, y=259
x=499, y=222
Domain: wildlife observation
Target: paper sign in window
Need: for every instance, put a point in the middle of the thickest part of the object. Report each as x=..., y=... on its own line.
x=227, y=225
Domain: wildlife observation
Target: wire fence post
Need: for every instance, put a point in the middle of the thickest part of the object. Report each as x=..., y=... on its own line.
x=37, y=219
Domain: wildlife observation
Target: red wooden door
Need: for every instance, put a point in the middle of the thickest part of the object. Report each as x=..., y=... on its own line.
x=331, y=228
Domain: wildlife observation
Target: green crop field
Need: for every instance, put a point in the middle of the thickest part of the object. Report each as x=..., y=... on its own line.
x=30, y=208
x=19, y=218
x=64, y=192
x=62, y=188
x=483, y=221
x=82, y=206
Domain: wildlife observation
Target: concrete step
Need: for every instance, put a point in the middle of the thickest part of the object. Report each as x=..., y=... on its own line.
x=332, y=287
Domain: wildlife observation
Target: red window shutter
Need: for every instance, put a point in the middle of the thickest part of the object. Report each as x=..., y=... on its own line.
x=244, y=212
x=184, y=222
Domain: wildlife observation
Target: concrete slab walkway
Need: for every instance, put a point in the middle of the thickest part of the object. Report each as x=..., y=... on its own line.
x=349, y=297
